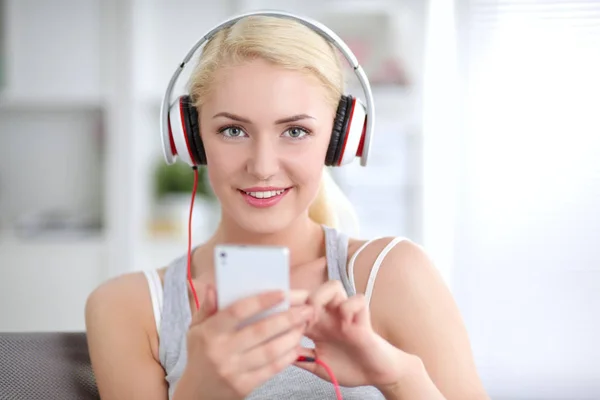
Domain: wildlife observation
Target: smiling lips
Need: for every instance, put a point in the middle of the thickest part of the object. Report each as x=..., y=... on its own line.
x=262, y=197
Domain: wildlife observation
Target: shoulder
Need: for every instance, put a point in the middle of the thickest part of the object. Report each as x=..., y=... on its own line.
x=123, y=303
x=399, y=259
x=122, y=339
x=129, y=291
x=406, y=279
x=412, y=308
x=119, y=299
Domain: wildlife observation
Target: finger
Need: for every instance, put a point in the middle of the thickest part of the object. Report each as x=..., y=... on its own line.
x=247, y=307
x=298, y=297
x=355, y=310
x=208, y=306
x=270, y=351
x=255, y=334
x=257, y=377
x=330, y=293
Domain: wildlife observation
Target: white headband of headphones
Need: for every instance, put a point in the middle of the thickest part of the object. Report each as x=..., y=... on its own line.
x=317, y=27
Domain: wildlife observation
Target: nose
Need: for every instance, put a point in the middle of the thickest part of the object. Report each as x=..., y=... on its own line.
x=263, y=162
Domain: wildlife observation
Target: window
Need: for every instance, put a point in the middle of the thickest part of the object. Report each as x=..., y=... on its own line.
x=526, y=264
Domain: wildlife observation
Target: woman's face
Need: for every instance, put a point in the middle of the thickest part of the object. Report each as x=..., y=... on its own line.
x=265, y=131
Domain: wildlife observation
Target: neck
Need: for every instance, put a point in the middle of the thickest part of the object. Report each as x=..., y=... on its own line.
x=303, y=237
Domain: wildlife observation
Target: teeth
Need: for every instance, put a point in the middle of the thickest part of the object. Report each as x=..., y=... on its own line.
x=265, y=195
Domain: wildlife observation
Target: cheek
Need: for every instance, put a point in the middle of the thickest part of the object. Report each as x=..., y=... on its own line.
x=222, y=164
x=307, y=162
x=306, y=171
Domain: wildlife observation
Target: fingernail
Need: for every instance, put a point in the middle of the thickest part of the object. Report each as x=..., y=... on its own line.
x=279, y=295
x=306, y=312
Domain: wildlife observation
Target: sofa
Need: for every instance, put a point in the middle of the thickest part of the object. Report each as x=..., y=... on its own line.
x=40, y=365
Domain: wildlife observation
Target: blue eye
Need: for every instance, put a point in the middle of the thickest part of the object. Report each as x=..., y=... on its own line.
x=232, y=132
x=296, y=132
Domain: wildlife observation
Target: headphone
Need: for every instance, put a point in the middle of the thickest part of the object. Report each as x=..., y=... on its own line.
x=352, y=128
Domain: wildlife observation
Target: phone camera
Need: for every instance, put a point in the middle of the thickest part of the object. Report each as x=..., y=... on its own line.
x=223, y=255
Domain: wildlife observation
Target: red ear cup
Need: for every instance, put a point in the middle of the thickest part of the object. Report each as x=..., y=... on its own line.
x=354, y=137
x=348, y=132
x=185, y=133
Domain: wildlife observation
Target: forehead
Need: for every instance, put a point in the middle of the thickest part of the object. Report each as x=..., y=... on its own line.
x=259, y=87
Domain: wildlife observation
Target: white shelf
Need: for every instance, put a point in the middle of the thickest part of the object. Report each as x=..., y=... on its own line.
x=313, y=8
x=9, y=239
x=360, y=6
x=17, y=102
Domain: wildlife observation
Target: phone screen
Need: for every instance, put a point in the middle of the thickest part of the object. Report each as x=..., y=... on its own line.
x=244, y=271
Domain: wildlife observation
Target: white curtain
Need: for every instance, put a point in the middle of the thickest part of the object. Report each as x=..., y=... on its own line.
x=440, y=134
x=526, y=261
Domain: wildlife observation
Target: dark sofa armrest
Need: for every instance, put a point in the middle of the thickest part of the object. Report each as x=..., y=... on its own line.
x=46, y=365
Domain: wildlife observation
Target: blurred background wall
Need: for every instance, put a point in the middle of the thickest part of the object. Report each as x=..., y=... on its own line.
x=485, y=152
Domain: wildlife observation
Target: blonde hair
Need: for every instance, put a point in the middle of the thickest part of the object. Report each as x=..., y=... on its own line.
x=289, y=44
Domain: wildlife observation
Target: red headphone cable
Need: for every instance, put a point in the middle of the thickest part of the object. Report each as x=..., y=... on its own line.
x=189, y=252
x=334, y=381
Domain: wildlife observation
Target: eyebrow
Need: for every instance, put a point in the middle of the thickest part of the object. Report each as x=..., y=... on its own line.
x=279, y=121
x=293, y=119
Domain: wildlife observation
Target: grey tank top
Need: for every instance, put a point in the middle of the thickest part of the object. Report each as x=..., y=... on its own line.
x=293, y=383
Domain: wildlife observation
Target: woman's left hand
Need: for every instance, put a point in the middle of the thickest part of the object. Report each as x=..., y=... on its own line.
x=345, y=341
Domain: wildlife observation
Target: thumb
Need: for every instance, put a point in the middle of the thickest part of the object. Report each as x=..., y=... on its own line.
x=208, y=306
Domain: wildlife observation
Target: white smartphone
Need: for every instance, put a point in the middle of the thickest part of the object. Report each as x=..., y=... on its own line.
x=243, y=271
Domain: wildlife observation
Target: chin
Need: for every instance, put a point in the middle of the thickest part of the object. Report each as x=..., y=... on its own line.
x=264, y=223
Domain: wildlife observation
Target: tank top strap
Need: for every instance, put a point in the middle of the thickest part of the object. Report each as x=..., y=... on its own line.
x=336, y=245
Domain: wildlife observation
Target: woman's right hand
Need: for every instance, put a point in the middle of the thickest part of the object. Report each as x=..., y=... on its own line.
x=227, y=363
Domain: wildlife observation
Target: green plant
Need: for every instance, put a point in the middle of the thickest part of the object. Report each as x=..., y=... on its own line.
x=179, y=179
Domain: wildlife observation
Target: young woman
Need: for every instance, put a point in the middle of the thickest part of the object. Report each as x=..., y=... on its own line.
x=266, y=90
